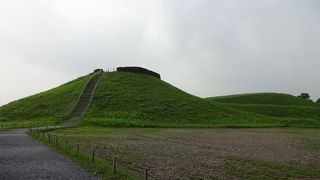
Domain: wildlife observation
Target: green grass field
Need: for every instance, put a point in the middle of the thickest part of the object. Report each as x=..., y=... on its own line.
x=302, y=112
x=123, y=95
x=283, y=106
x=49, y=107
x=135, y=100
x=264, y=98
x=124, y=99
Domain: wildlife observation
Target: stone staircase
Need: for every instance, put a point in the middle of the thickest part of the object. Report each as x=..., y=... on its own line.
x=84, y=100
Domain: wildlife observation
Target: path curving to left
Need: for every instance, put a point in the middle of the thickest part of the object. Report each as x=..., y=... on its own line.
x=22, y=157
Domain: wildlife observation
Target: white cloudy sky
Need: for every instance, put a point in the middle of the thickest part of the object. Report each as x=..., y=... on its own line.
x=205, y=47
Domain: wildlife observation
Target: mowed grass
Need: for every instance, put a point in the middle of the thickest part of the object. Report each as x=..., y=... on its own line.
x=49, y=107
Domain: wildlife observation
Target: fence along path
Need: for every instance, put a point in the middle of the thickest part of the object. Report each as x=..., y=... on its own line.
x=115, y=162
x=84, y=100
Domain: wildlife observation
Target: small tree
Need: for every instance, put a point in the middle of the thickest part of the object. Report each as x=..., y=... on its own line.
x=305, y=96
x=318, y=101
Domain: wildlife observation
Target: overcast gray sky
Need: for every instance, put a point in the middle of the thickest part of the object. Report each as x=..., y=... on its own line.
x=205, y=47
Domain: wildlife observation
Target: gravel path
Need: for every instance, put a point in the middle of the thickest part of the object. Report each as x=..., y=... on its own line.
x=22, y=157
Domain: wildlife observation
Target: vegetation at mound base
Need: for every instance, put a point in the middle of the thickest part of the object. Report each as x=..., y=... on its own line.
x=47, y=107
x=264, y=98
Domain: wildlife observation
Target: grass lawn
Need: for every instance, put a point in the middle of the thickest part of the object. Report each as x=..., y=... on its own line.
x=137, y=97
x=124, y=99
x=264, y=98
x=49, y=107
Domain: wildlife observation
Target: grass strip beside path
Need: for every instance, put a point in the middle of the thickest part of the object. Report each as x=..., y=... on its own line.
x=99, y=167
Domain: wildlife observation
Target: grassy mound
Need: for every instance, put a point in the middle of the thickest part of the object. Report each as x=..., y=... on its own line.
x=124, y=97
x=47, y=107
x=264, y=98
x=280, y=111
x=273, y=105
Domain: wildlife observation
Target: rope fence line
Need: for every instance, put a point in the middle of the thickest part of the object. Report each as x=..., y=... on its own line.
x=23, y=125
x=114, y=161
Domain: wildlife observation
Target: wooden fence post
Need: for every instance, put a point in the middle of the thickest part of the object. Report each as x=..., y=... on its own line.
x=78, y=147
x=66, y=141
x=57, y=139
x=49, y=137
x=114, y=165
x=93, y=155
x=146, y=174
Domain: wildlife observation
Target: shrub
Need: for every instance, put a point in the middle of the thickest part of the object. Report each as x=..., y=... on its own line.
x=305, y=96
x=139, y=70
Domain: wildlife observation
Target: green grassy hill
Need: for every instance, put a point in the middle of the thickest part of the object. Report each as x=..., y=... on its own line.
x=47, y=107
x=124, y=98
x=130, y=99
x=280, y=111
x=264, y=98
x=272, y=104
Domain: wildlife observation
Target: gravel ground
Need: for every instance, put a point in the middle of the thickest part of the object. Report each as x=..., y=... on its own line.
x=22, y=157
x=190, y=154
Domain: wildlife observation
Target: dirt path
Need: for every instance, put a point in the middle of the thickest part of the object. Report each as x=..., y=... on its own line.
x=22, y=157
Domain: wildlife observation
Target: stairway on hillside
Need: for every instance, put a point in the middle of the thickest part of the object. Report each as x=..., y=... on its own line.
x=84, y=100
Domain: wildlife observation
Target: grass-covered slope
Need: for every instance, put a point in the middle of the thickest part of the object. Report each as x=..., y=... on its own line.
x=47, y=107
x=272, y=104
x=280, y=111
x=124, y=97
x=264, y=98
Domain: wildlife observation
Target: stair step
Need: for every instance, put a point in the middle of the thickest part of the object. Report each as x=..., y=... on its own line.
x=84, y=99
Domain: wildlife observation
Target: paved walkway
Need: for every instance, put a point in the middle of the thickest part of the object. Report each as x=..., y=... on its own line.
x=22, y=157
